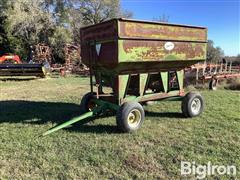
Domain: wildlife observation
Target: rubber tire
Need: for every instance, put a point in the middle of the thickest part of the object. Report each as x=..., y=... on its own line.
x=85, y=100
x=123, y=113
x=213, y=84
x=186, y=104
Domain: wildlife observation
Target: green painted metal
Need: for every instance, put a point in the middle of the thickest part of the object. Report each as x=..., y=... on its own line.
x=164, y=76
x=133, y=54
x=106, y=105
x=145, y=51
x=72, y=121
x=143, y=82
x=131, y=98
x=172, y=96
x=102, y=107
x=180, y=75
x=173, y=92
x=123, y=82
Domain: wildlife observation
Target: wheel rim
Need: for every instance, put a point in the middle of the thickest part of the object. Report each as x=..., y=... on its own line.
x=134, y=118
x=196, y=106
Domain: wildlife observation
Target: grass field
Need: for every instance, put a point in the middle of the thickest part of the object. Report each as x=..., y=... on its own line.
x=97, y=150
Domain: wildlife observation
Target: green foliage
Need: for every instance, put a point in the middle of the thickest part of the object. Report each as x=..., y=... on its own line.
x=26, y=20
x=17, y=46
x=214, y=54
x=3, y=37
x=26, y=24
x=52, y=22
x=60, y=37
x=96, y=11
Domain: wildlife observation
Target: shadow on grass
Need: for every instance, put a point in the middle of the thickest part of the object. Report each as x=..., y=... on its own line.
x=165, y=114
x=17, y=111
x=31, y=112
x=99, y=128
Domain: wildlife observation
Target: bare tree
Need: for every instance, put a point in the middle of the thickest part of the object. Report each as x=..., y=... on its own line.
x=54, y=22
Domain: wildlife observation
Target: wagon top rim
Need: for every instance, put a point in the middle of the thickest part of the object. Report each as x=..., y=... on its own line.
x=147, y=21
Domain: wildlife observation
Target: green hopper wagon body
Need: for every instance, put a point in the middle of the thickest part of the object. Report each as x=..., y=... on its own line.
x=127, y=45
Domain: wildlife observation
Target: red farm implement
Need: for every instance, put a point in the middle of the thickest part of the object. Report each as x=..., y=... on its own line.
x=10, y=59
x=11, y=65
x=213, y=73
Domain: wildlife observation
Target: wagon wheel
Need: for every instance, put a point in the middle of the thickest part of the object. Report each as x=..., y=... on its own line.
x=87, y=103
x=192, y=104
x=213, y=84
x=130, y=116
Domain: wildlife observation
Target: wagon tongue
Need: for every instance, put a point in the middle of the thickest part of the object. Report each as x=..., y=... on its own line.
x=86, y=115
x=72, y=121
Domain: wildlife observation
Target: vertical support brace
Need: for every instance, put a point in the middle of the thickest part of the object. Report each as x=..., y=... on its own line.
x=91, y=67
x=122, y=86
x=197, y=74
x=180, y=75
x=143, y=82
x=99, y=82
x=164, y=76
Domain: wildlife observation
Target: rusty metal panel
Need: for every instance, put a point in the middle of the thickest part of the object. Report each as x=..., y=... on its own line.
x=161, y=31
x=107, y=56
x=122, y=45
x=140, y=50
x=104, y=36
x=104, y=31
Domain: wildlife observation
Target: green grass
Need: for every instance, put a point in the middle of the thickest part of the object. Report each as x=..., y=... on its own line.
x=97, y=150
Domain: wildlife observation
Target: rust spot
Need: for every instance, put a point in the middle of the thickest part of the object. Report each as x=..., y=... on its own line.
x=157, y=51
x=141, y=30
x=107, y=30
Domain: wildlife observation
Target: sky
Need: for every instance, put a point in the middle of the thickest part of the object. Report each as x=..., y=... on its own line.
x=221, y=17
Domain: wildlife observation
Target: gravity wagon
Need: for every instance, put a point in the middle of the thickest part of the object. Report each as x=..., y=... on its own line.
x=132, y=62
